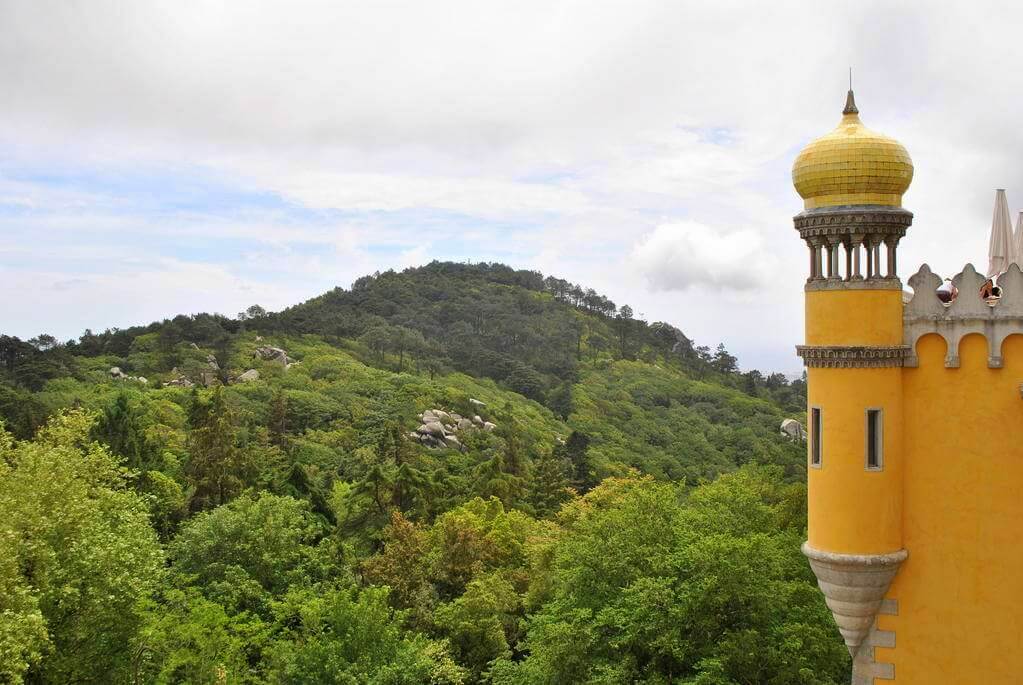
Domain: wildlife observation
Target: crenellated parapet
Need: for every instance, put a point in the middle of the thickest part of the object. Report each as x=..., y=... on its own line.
x=996, y=318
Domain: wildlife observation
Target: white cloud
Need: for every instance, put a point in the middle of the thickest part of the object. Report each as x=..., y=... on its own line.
x=686, y=254
x=610, y=126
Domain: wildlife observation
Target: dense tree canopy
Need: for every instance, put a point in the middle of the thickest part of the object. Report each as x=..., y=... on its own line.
x=610, y=503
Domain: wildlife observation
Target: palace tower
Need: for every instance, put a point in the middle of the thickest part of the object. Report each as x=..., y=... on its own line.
x=915, y=424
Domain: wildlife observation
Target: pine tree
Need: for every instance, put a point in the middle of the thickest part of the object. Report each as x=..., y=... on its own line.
x=216, y=465
x=549, y=486
x=575, y=451
x=278, y=420
x=121, y=428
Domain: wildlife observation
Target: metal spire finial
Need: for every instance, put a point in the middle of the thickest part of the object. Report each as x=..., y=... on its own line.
x=850, y=101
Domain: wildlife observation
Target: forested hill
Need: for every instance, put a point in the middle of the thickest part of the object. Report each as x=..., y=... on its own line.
x=453, y=474
x=644, y=393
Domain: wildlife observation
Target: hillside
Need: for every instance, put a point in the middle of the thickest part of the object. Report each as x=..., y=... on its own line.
x=436, y=455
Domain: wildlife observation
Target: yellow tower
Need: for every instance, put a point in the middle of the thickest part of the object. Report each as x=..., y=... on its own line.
x=852, y=181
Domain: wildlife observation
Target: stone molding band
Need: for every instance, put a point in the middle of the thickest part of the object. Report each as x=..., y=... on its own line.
x=852, y=357
x=853, y=220
x=863, y=560
x=884, y=283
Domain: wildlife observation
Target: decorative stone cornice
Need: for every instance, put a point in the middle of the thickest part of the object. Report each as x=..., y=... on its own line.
x=852, y=357
x=884, y=283
x=854, y=586
x=856, y=221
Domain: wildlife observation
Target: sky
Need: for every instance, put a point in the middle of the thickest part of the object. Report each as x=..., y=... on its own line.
x=159, y=158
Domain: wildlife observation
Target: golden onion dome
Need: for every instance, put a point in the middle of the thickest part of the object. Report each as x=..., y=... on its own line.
x=852, y=165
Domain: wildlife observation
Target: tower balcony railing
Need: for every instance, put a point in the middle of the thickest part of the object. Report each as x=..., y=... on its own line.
x=853, y=247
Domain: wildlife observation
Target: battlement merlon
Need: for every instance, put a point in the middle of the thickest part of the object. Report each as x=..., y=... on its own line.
x=968, y=313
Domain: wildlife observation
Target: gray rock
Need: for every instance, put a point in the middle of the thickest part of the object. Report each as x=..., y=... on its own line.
x=477, y=420
x=476, y=403
x=248, y=376
x=488, y=427
x=115, y=371
x=142, y=380
x=793, y=429
x=434, y=428
x=442, y=416
x=428, y=416
x=272, y=354
x=452, y=441
x=465, y=424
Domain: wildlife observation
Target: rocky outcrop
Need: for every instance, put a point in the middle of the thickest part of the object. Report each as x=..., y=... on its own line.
x=248, y=376
x=118, y=375
x=434, y=428
x=211, y=361
x=273, y=354
x=179, y=380
x=793, y=429
x=438, y=428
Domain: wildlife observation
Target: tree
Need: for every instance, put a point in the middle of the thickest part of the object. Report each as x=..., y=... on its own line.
x=216, y=467
x=403, y=565
x=575, y=452
x=77, y=551
x=252, y=549
x=253, y=312
x=483, y=623
x=624, y=325
x=190, y=639
x=560, y=400
x=377, y=340
x=345, y=635
x=723, y=361
x=549, y=487
x=121, y=427
x=278, y=419
x=700, y=589
x=496, y=477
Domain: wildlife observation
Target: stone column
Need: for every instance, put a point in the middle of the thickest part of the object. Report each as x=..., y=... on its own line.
x=856, y=241
x=892, y=242
x=848, y=258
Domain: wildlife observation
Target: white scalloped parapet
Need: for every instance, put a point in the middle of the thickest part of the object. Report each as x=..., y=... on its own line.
x=969, y=312
x=854, y=585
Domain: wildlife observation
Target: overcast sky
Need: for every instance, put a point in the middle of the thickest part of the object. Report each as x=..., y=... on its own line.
x=159, y=158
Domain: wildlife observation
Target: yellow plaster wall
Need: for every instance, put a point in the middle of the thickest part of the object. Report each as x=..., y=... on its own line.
x=960, y=592
x=854, y=317
x=852, y=510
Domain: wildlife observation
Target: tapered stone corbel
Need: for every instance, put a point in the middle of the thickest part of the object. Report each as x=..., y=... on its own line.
x=854, y=586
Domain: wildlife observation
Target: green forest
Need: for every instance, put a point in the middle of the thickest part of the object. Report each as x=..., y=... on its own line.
x=458, y=473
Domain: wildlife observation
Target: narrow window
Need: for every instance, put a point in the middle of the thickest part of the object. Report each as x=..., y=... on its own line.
x=815, y=437
x=875, y=439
